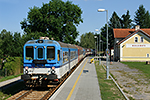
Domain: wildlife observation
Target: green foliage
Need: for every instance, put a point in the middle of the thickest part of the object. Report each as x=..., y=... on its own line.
x=56, y=19
x=10, y=44
x=115, y=22
x=126, y=21
x=13, y=65
x=7, y=42
x=142, y=17
x=87, y=40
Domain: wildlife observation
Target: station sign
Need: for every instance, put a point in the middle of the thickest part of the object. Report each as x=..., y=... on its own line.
x=137, y=45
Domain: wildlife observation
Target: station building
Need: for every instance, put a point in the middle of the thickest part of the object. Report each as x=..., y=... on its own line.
x=132, y=44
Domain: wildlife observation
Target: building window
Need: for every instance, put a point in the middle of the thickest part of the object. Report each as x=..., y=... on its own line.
x=142, y=39
x=136, y=39
x=147, y=55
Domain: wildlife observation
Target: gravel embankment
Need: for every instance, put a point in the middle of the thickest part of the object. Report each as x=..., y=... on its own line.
x=132, y=81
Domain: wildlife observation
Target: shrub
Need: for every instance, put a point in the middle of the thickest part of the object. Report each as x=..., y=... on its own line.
x=13, y=65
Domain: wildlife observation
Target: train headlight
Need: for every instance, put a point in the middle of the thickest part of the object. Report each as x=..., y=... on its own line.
x=26, y=68
x=53, y=68
x=26, y=71
x=53, y=72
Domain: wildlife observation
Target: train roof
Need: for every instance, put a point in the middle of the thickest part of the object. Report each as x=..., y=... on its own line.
x=79, y=47
x=51, y=42
x=67, y=45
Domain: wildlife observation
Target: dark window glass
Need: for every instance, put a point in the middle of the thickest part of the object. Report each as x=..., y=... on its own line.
x=51, y=53
x=142, y=39
x=147, y=55
x=58, y=55
x=136, y=39
x=29, y=52
x=40, y=53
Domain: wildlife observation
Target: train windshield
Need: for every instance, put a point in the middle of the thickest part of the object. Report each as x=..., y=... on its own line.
x=50, y=53
x=29, y=52
x=40, y=52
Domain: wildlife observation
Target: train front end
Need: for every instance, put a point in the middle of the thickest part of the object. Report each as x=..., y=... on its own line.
x=41, y=60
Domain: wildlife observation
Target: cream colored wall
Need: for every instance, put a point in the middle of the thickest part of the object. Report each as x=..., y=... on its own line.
x=135, y=54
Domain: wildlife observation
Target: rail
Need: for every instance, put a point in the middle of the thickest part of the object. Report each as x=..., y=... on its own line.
x=34, y=94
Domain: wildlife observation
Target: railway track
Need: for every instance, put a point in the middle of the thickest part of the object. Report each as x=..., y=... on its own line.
x=40, y=94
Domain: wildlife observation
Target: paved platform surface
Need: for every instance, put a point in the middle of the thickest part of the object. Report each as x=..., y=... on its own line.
x=4, y=83
x=81, y=85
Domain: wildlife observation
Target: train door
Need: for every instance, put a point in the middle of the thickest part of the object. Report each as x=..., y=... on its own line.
x=40, y=53
x=69, y=61
x=61, y=56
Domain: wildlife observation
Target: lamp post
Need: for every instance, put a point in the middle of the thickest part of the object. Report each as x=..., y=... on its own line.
x=102, y=44
x=97, y=42
x=107, y=67
x=99, y=46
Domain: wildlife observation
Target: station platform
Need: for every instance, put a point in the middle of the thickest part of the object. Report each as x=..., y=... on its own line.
x=81, y=85
x=10, y=81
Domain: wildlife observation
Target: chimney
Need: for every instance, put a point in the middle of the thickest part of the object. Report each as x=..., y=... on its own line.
x=137, y=27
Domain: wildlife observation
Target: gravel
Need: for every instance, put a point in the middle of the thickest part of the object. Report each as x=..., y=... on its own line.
x=132, y=81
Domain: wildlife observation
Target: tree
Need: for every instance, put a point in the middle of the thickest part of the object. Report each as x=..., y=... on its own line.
x=10, y=44
x=7, y=42
x=142, y=17
x=87, y=40
x=115, y=21
x=55, y=19
x=18, y=45
x=126, y=21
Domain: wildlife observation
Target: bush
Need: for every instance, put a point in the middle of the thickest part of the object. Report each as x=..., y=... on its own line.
x=13, y=65
x=2, y=72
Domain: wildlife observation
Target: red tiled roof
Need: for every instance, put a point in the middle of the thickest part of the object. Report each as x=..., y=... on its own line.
x=122, y=33
x=130, y=35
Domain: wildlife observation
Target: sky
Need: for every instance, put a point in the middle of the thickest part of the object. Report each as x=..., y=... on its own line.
x=12, y=12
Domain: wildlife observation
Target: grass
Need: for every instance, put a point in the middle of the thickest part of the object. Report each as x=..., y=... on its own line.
x=109, y=90
x=141, y=66
x=9, y=77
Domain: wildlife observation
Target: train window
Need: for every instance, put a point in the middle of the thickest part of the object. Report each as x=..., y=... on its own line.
x=29, y=52
x=40, y=52
x=73, y=54
x=50, y=53
x=58, y=55
x=65, y=57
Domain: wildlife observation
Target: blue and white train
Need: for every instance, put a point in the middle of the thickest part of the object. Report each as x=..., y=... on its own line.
x=47, y=61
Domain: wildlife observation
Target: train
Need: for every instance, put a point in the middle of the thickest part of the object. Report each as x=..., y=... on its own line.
x=46, y=61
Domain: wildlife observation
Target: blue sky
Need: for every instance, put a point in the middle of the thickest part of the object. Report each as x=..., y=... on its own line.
x=12, y=12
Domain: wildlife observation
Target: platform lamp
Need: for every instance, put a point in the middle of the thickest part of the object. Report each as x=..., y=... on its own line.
x=99, y=46
x=97, y=42
x=107, y=67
